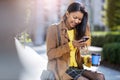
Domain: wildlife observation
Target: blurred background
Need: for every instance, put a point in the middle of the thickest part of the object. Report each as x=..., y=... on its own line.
x=26, y=21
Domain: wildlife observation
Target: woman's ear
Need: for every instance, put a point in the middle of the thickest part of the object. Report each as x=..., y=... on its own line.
x=67, y=14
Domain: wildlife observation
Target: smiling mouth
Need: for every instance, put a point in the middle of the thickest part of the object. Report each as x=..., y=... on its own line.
x=74, y=25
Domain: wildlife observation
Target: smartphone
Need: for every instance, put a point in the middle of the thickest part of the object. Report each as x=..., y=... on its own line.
x=84, y=39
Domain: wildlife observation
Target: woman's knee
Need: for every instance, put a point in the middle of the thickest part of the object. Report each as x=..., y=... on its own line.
x=100, y=76
x=82, y=78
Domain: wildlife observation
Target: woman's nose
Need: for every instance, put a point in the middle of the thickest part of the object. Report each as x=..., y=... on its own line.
x=77, y=21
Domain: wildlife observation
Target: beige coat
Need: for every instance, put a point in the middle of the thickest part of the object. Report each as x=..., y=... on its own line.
x=61, y=54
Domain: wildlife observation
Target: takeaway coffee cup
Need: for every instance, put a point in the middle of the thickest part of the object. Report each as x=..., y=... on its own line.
x=95, y=59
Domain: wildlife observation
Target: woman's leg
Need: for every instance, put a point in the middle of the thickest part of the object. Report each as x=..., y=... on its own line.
x=93, y=75
x=82, y=78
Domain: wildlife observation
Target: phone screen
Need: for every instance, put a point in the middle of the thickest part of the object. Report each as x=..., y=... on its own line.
x=84, y=39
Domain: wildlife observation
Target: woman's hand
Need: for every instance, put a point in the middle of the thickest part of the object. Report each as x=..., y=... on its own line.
x=78, y=43
x=87, y=61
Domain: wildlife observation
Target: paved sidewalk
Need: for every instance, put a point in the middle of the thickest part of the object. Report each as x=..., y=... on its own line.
x=110, y=74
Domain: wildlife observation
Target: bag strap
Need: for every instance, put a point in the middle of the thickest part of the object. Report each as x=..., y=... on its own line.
x=59, y=40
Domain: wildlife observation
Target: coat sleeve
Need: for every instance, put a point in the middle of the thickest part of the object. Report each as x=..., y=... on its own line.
x=52, y=50
x=88, y=34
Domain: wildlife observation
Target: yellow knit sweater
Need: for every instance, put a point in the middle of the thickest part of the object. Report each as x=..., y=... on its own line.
x=73, y=62
x=73, y=50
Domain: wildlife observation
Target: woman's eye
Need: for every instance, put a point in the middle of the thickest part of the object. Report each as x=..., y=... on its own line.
x=75, y=17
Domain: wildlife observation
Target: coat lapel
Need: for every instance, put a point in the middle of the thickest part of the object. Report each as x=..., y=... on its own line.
x=63, y=32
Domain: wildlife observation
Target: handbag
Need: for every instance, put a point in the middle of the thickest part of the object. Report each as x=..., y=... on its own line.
x=48, y=74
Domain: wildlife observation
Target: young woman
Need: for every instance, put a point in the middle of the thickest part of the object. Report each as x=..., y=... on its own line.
x=65, y=60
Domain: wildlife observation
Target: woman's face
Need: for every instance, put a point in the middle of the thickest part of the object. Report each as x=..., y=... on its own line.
x=73, y=19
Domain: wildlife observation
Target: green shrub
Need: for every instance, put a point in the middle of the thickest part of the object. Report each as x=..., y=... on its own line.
x=113, y=14
x=98, y=40
x=24, y=38
x=99, y=28
x=112, y=38
x=101, y=38
x=111, y=53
